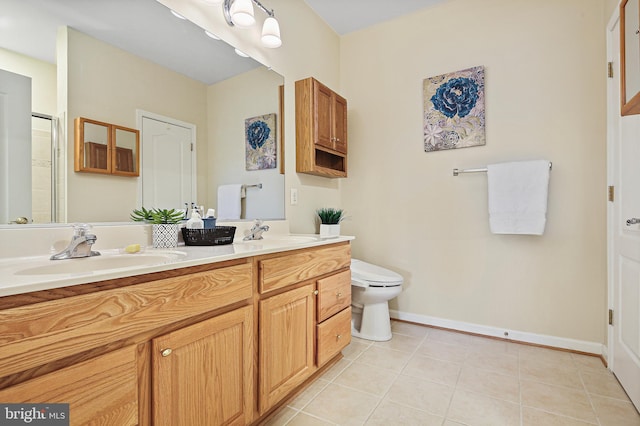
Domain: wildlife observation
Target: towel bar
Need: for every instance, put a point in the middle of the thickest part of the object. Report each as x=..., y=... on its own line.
x=456, y=172
x=257, y=185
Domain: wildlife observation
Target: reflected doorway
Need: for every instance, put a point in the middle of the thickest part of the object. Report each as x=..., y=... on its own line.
x=168, y=162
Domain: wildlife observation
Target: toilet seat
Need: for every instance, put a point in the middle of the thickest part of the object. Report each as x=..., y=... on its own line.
x=364, y=275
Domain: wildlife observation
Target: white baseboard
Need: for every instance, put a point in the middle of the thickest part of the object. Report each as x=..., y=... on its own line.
x=515, y=335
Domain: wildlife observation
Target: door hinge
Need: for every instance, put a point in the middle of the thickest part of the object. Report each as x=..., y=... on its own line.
x=191, y=147
x=612, y=193
x=610, y=69
x=610, y=316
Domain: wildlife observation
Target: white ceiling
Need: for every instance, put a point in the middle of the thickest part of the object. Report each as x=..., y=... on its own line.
x=147, y=29
x=346, y=16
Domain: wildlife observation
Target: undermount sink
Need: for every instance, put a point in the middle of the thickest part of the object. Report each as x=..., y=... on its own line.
x=98, y=263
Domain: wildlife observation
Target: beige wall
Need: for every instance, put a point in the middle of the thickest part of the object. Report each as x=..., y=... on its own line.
x=108, y=84
x=230, y=102
x=545, y=99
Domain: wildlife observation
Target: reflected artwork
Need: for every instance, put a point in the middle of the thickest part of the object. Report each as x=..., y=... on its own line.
x=260, y=142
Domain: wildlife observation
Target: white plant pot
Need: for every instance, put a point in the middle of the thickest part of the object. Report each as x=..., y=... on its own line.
x=329, y=231
x=165, y=235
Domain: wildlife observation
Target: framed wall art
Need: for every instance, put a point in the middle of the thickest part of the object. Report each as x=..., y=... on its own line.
x=454, y=110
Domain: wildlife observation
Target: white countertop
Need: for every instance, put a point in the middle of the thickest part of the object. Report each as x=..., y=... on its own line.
x=27, y=274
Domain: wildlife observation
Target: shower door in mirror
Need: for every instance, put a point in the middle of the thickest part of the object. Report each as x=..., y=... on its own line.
x=168, y=180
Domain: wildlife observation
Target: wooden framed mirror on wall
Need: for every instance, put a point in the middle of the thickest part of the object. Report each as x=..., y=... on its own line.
x=630, y=57
x=106, y=148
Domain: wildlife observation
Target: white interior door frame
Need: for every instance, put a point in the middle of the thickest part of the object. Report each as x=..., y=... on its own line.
x=140, y=116
x=613, y=136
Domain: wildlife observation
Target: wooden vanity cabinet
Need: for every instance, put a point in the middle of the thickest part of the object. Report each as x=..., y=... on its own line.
x=321, y=130
x=305, y=317
x=102, y=351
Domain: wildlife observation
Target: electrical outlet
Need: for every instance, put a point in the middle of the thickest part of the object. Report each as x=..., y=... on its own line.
x=294, y=196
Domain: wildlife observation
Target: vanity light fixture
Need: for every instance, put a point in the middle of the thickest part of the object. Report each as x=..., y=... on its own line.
x=240, y=13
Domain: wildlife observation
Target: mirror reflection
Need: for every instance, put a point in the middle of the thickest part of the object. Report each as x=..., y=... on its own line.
x=106, y=82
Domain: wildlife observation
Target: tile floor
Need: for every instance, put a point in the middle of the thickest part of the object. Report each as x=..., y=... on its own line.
x=426, y=376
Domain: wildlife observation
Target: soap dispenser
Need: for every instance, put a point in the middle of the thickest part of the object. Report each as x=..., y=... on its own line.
x=195, y=222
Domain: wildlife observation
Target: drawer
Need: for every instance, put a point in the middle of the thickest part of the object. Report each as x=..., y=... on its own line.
x=334, y=294
x=334, y=335
x=281, y=271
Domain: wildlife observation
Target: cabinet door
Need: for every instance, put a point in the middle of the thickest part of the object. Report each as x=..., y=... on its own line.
x=202, y=374
x=286, y=343
x=322, y=96
x=100, y=391
x=340, y=124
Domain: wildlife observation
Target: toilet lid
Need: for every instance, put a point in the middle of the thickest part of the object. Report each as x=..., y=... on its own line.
x=374, y=275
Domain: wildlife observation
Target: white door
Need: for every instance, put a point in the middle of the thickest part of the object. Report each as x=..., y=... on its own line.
x=167, y=165
x=624, y=237
x=15, y=147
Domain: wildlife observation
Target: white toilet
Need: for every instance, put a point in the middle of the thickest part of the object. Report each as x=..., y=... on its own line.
x=371, y=289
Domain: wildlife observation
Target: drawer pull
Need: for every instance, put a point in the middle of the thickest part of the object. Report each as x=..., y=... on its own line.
x=166, y=352
x=339, y=294
x=315, y=292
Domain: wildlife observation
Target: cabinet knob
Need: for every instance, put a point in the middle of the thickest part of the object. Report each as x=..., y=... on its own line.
x=166, y=352
x=315, y=292
x=339, y=294
x=338, y=336
x=337, y=139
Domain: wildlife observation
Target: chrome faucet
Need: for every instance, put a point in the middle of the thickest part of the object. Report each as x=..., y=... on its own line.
x=80, y=244
x=256, y=231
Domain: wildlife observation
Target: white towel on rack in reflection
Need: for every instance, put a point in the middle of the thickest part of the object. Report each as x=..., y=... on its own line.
x=518, y=197
x=229, y=201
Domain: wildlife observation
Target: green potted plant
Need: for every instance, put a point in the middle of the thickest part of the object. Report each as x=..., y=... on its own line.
x=165, y=225
x=330, y=219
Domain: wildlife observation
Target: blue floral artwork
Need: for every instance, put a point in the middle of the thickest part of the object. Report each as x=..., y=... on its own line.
x=260, y=142
x=454, y=110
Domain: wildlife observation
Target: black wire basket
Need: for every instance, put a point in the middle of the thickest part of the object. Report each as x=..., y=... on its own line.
x=217, y=236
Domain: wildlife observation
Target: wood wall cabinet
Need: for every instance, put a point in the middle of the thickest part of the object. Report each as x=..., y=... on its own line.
x=305, y=317
x=106, y=148
x=321, y=130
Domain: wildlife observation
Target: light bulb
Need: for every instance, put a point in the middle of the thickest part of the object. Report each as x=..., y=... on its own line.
x=271, y=33
x=242, y=13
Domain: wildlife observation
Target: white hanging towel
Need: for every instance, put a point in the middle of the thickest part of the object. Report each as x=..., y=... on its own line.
x=229, y=201
x=518, y=197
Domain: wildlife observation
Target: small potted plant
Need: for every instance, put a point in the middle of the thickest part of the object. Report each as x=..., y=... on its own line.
x=330, y=219
x=165, y=225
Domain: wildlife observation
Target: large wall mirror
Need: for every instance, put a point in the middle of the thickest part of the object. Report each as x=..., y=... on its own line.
x=107, y=64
